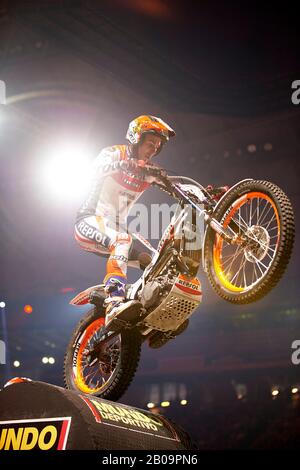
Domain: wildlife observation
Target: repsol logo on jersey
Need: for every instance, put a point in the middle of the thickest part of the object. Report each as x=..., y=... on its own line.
x=34, y=434
x=92, y=233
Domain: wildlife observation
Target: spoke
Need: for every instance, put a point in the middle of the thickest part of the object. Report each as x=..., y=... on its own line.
x=254, y=211
x=250, y=219
x=239, y=220
x=267, y=254
x=229, y=269
x=236, y=274
x=237, y=253
x=260, y=270
x=244, y=275
x=260, y=262
x=274, y=216
x=257, y=211
x=256, y=215
x=246, y=226
x=260, y=222
x=242, y=226
x=262, y=214
x=257, y=274
x=89, y=377
x=227, y=260
x=246, y=206
x=272, y=225
x=227, y=256
x=265, y=245
x=93, y=376
x=91, y=371
x=232, y=257
x=252, y=278
x=254, y=274
x=253, y=237
x=90, y=383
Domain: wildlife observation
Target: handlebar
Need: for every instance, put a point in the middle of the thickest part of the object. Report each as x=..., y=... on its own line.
x=168, y=183
x=175, y=190
x=142, y=167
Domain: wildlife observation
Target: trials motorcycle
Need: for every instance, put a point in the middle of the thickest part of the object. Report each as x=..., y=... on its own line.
x=245, y=246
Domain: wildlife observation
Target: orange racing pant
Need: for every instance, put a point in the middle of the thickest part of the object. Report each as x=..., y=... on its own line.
x=101, y=236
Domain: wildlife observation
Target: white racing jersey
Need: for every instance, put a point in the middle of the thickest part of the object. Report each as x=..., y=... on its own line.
x=113, y=191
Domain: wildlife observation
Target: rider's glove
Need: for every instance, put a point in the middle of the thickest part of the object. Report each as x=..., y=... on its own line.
x=132, y=164
x=142, y=166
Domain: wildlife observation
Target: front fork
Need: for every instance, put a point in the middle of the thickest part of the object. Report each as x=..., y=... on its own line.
x=229, y=234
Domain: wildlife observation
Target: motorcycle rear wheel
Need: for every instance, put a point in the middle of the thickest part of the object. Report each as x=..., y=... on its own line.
x=242, y=275
x=108, y=378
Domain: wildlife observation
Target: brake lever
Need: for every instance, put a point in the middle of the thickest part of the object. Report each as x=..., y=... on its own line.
x=159, y=173
x=141, y=168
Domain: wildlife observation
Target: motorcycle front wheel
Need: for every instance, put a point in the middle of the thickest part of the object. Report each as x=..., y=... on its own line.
x=242, y=274
x=110, y=375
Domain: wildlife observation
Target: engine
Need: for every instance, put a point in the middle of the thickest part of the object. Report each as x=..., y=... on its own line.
x=154, y=291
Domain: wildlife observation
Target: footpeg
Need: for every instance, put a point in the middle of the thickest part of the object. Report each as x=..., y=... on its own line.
x=128, y=312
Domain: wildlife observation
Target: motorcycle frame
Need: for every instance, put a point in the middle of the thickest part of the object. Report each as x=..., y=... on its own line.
x=228, y=234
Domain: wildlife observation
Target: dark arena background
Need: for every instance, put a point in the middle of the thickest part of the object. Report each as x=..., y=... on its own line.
x=223, y=75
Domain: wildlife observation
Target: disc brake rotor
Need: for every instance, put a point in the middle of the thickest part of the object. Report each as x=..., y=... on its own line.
x=94, y=373
x=261, y=242
x=107, y=367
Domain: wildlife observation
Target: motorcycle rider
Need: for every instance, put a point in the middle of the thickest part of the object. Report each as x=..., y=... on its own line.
x=101, y=219
x=116, y=185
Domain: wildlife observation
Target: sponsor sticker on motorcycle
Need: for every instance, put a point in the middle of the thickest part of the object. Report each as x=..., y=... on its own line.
x=190, y=287
x=35, y=434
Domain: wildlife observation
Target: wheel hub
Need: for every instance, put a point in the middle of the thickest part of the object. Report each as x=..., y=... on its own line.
x=257, y=249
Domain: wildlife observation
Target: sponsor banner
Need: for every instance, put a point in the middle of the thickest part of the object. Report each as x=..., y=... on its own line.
x=35, y=434
x=131, y=419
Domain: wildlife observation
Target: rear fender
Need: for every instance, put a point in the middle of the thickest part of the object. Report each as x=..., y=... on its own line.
x=84, y=297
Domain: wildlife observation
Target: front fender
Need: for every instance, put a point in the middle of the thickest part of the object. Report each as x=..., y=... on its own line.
x=216, y=206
